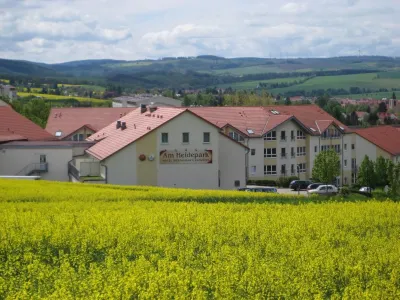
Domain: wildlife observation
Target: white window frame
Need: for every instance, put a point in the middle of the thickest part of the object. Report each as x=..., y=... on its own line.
x=271, y=171
x=270, y=136
x=345, y=163
x=271, y=155
x=302, y=170
x=301, y=151
x=301, y=135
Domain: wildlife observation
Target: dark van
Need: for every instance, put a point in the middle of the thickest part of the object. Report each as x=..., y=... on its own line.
x=303, y=184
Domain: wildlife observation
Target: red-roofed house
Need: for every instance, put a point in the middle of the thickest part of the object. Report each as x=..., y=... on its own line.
x=165, y=146
x=15, y=127
x=378, y=141
x=77, y=124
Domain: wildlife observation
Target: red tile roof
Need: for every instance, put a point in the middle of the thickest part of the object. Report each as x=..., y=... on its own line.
x=385, y=137
x=15, y=127
x=262, y=119
x=69, y=120
x=112, y=140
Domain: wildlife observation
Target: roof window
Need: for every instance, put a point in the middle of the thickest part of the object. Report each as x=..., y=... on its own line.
x=58, y=133
x=275, y=112
x=341, y=128
x=312, y=129
x=250, y=131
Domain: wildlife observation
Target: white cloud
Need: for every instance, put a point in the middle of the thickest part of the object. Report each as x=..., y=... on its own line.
x=62, y=30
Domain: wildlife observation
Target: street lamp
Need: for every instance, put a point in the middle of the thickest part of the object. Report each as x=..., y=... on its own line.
x=298, y=176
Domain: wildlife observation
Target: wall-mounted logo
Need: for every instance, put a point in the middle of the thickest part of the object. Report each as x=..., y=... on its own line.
x=142, y=157
x=151, y=157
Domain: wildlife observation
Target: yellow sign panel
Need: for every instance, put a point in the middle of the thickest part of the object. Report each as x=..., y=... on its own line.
x=186, y=157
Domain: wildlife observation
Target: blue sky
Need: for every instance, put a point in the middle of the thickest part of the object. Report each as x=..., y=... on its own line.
x=63, y=30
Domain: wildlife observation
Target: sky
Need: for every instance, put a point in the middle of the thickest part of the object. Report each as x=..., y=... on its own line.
x=54, y=31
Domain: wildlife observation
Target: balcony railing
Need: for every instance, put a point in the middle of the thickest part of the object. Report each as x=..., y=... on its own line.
x=283, y=138
x=293, y=155
x=73, y=170
x=34, y=168
x=283, y=155
x=293, y=138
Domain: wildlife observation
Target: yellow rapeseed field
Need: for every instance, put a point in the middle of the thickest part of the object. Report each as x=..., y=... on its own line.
x=76, y=241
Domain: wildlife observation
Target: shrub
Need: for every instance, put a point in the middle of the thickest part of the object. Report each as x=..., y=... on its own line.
x=344, y=191
x=285, y=181
x=262, y=182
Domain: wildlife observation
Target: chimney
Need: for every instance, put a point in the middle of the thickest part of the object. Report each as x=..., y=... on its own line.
x=153, y=108
x=123, y=125
x=143, y=108
x=118, y=124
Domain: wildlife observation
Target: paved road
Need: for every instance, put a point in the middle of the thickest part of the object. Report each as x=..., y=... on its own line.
x=290, y=192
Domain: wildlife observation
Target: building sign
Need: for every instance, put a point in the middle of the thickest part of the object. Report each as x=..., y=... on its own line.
x=186, y=157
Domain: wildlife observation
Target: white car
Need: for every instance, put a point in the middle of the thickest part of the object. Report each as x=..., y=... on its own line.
x=324, y=190
x=366, y=189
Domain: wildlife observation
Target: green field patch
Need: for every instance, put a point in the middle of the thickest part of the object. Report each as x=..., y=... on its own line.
x=60, y=97
x=368, y=81
x=247, y=85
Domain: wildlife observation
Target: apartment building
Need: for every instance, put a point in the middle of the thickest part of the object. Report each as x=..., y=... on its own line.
x=169, y=147
x=284, y=140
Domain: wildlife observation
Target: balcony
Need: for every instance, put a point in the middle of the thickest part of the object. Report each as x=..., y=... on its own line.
x=85, y=170
x=283, y=138
x=293, y=155
x=283, y=155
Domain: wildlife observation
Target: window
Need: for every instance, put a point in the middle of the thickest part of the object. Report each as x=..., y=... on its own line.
x=206, y=137
x=270, y=152
x=75, y=137
x=270, y=136
x=43, y=158
x=164, y=138
x=292, y=137
x=283, y=136
x=237, y=183
x=352, y=147
x=80, y=137
x=337, y=148
x=292, y=153
x=345, y=163
x=345, y=147
x=345, y=180
x=253, y=170
x=270, y=170
x=353, y=163
x=301, y=151
x=301, y=135
x=58, y=133
x=316, y=149
x=236, y=136
x=185, y=137
x=283, y=169
x=88, y=135
x=283, y=152
x=302, y=168
x=292, y=169
x=253, y=151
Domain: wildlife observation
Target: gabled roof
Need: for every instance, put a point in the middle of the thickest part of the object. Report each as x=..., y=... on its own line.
x=385, y=137
x=15, y=127
x=112, y=140
x=69, y=120
x=264, y=119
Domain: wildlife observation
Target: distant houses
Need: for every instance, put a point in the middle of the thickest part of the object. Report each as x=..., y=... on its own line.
x=145, y=99
x=8, y=91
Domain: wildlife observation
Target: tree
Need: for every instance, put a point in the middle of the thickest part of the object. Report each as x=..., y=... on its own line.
x=381, y=171
x=382, y=107
x=287, y=101
x=366, y=173
x=326, y=166
x=186, y=101
x=394, y=95
x=394, y=179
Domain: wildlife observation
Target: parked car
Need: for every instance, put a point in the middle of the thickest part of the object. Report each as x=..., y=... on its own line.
x=313, y=186
x=303, y=184
x=324, y=190
x=262, y=189
x=366, y=189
